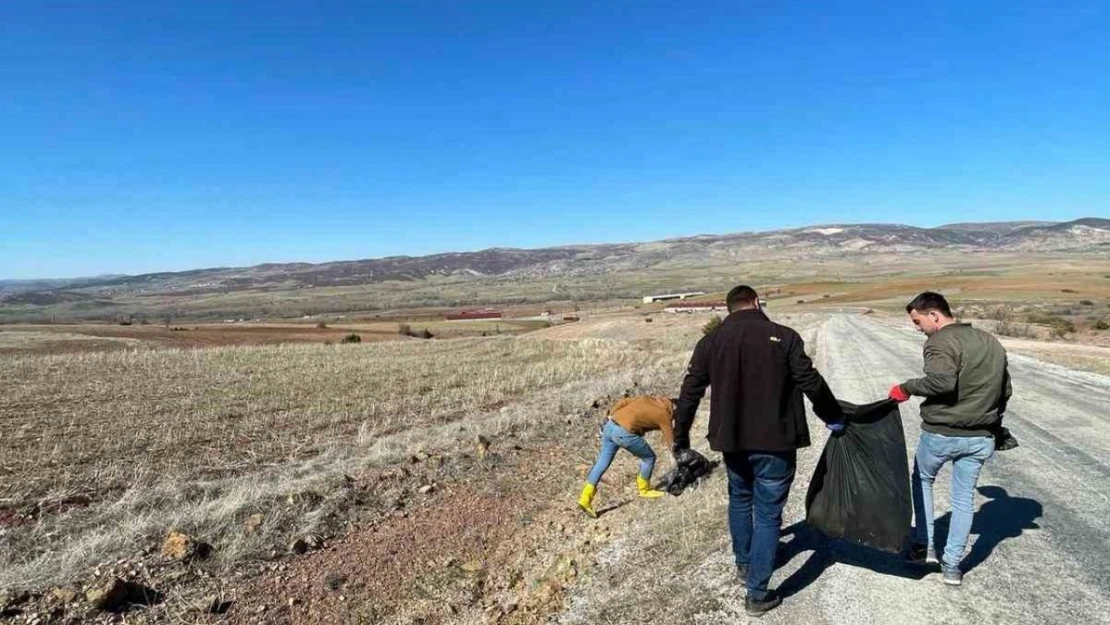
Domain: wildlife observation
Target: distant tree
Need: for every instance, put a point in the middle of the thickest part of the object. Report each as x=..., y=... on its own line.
x=351, y=338
x=404, y=329
x=1102, y=325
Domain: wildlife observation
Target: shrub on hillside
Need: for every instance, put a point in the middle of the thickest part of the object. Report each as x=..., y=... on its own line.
x=1006, y=326
x=351, y=338
x=1102, y=325
x=404, y=329
x=321, y=325
x=1060, y=327
x=711, y=325
x=1014, y=330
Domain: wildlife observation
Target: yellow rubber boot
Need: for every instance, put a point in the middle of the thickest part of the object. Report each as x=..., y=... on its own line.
x=644, y=487
x=586, y=500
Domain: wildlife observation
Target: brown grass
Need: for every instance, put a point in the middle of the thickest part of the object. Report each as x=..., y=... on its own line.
x=106, y=451
x=96, y=423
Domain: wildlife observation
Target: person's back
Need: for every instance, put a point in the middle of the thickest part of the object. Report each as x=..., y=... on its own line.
x=640, y=415
x=972, y=407
x=966, y=388
x=758, y=370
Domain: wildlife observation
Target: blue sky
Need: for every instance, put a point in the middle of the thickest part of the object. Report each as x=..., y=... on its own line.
x=143, y=136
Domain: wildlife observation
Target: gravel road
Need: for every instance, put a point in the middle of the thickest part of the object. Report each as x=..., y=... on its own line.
x=1040, y=550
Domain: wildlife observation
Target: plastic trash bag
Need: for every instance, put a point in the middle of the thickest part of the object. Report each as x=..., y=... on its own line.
x=1004, y=440
x=860, y=491
x=690, y=468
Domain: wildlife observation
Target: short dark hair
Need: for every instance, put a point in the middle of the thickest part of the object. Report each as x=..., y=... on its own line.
x=742, y=295
x=928, y=301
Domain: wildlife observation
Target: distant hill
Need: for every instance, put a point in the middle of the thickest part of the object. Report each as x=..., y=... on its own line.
x=999, y=226
x=1088, y=235
x=21, y=286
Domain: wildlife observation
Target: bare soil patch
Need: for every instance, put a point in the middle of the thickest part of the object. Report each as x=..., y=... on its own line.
x=71, y=339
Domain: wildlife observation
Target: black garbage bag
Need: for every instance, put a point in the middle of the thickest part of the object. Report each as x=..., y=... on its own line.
x=691, y=467
x=860, y=491
x=1004, y=440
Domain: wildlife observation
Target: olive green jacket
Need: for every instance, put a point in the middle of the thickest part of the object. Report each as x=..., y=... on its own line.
x=966, y=384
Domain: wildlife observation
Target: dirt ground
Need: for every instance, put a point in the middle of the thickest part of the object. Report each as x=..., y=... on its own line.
x=68, y=339
x=79, y=338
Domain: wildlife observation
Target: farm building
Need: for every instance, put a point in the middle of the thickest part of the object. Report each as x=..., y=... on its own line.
x=464, y=315
x=691, y=307
x=648, y=299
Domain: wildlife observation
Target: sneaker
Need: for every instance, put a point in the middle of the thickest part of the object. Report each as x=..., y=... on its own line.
x=921, y=553
x=952, y=575
x=742, y=573
x=769, y=602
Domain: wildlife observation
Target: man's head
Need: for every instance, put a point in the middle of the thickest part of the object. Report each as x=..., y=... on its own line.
x=742, y=298
x=929, y=312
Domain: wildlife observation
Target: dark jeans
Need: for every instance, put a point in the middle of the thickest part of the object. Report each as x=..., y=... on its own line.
x=758, y=484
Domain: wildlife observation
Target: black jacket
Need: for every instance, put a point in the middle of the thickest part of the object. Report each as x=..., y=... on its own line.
x=758, y=370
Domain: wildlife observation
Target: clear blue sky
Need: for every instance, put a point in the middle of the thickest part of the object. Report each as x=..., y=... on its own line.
x=160, y=135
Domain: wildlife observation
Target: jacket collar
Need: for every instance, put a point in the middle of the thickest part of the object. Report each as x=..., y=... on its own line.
x=747, y=314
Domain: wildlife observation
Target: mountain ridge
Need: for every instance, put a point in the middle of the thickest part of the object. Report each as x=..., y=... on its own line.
x=1083, y=235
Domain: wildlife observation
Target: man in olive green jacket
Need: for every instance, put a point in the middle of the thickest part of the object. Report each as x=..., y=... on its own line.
x=966, y=388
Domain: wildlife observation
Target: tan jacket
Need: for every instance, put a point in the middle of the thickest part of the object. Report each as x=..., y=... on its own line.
x=645, y=414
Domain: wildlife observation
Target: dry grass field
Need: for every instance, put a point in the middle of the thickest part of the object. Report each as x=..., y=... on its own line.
x=104, y=452
x=266, y=434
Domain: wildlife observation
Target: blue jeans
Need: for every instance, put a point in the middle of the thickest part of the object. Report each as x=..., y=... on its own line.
x=614, y=437
x=758, y=482
x=967, y=454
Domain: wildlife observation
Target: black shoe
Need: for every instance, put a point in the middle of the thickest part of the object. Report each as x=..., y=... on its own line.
x=742, y=573
x=770, y=601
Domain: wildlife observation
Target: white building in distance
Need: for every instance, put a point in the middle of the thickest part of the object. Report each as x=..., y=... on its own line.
x=648, y=299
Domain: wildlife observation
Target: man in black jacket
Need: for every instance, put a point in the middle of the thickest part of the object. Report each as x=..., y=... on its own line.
x=758, y=370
